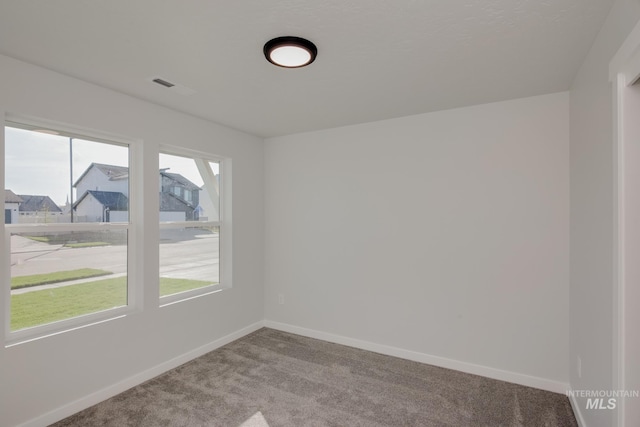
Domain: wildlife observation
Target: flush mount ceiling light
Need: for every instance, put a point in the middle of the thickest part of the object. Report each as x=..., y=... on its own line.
x=290, y=52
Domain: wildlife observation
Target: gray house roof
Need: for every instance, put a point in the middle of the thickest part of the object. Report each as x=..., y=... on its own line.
x=180, y=180
x=122, y=172
x=170, y=202
x=11, y=197
x=113, y=172
x=113, y=200
x=32, y=203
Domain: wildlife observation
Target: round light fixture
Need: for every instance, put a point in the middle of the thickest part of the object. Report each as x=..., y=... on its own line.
x=290, y=52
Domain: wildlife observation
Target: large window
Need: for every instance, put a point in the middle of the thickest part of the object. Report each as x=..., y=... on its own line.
x=73, y=221
x=190, y=225
x=67, y=228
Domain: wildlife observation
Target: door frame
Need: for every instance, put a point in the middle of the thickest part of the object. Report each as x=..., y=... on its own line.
x=624, y=72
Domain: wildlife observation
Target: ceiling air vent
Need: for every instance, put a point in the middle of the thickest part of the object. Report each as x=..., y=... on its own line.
x=182, y=90
x=163, y=82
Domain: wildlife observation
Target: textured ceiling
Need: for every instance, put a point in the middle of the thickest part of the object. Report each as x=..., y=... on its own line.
x=377, y=59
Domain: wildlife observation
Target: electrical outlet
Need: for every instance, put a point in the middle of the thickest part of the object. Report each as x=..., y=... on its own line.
x=579, y=367
x=280, y=298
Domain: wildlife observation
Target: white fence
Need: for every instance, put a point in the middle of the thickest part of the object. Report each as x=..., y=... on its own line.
x=43, y=218
x=114, y=216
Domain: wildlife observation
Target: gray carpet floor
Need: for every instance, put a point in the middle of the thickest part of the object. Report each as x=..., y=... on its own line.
x=271, y=378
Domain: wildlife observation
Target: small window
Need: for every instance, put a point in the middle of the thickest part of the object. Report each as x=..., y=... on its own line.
x=69, y=243
x=190, y=226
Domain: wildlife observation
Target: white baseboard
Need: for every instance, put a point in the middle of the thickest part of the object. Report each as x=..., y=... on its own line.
x=576, y=411
x=470, y=368
x=112, y=390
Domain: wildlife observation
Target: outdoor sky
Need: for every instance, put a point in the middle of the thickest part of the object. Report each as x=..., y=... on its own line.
x=38, y=164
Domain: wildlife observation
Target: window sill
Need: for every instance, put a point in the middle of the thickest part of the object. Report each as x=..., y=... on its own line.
x=26, y=335
x=189, y=295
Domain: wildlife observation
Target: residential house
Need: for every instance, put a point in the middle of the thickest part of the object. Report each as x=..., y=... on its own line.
x=39, y=209
x=11, y=207
x=104, y=195
x=178, y=194
x=101, y=206
x=102, y=177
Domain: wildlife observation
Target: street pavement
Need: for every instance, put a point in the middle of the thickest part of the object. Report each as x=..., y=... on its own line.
x=192, y=254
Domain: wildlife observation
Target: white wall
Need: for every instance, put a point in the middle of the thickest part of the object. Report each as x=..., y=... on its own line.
x=90, y=210
x=592, y=213
x=120, y=216
x=96, y=180
x=445, y=234
x=170, y=216
x=46, y=374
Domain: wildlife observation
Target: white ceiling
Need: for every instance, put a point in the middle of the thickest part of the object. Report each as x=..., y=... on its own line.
x=377, y=59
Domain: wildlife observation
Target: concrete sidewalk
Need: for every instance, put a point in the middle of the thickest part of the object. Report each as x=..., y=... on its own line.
x=21, y=245
x=67, y=283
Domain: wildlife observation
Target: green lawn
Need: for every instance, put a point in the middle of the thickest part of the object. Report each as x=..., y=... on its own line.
x=59, y=276
x=169, y=286
x=86, y=244
x=49, y=305
x=42, y=239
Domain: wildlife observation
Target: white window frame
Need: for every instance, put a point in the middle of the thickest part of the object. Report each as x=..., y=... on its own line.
x=134, y=284
x=224, y=223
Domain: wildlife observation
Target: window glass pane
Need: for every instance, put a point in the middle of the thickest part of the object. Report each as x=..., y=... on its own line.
x=37, y=178
x=189, y=258
x=60, y=275
x=52, y=178
x=189, y=189
x=50, y=174
x=189, y=192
